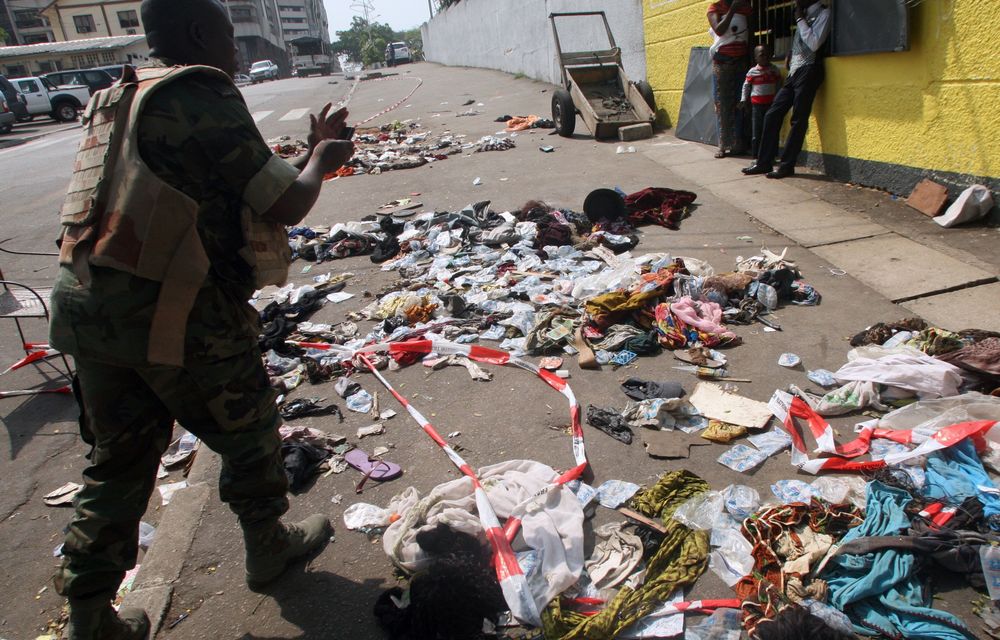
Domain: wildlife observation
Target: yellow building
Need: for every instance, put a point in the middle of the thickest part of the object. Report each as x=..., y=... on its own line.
x=80, y=19
x=883, y=119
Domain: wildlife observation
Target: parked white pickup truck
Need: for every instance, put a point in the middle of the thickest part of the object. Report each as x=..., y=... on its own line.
x=44, y=98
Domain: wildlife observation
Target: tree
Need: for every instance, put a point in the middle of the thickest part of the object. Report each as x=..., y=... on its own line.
x=364, y=41
x=415, y=40
x=3, y=37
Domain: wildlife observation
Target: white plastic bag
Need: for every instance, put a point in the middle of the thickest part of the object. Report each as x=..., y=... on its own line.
x=972, y=204
x=699, y=512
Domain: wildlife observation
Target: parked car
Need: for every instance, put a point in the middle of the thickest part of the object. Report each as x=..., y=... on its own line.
x=263, y=70
x=16, y=101
x=45, y=98
x=115, y=71
x=241, y=79
x=396, y=53
x=7, y=117
x=95, y=79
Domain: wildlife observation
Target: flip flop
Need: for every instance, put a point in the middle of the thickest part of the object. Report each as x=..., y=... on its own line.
x=373, y=468
x=400, y=208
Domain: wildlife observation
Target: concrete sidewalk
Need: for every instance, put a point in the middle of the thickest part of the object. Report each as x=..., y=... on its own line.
x=867, y=270
x=894, y=257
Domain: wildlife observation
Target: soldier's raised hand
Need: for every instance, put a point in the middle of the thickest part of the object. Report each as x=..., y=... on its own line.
x=326, y=126
x=332, y=154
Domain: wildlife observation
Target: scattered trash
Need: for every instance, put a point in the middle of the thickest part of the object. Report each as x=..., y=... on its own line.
x=614, y=493
x=63, y=496
x=477, y=181
x=372, y=430
x=789, y=360
x=973, y=203
x=742, y=458
x=546, y=149
x=168, y=490
x=714, y=403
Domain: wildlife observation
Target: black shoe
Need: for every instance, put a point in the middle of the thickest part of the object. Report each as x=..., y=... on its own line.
x=756, y=169
x=781, y=172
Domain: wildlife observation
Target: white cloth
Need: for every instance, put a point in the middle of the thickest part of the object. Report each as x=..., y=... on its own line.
x=551, y=521
x=615, y=557
x=926, y=376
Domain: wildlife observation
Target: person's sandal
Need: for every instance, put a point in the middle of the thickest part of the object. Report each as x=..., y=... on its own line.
x=721, y=153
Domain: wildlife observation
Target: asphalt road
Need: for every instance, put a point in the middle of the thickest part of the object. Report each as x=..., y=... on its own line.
x=514, y=416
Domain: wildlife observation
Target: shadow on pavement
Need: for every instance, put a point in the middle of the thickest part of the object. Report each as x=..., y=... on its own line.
x=36, y=413
x=324, y=605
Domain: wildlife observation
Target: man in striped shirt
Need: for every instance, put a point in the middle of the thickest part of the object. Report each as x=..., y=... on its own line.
x=762, y=82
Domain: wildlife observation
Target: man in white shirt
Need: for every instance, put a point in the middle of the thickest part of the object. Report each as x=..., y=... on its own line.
x=805, y=75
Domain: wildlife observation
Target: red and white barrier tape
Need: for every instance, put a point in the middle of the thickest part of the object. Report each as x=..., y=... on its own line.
x=512, y=580
x=787, y=408
x=395, y=105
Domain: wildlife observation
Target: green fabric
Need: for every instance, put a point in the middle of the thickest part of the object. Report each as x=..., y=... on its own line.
x=128, y=415
x=680, y=559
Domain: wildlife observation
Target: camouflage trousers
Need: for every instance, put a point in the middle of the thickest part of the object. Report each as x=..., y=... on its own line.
x=127, y=418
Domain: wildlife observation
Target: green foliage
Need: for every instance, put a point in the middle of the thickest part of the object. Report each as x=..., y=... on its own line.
x=3, y=37
x=366, y=42
x=363, y=41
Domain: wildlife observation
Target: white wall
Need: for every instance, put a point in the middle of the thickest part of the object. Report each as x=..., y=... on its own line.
x=516, y=35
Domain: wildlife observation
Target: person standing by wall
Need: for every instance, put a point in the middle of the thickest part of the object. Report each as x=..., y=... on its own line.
x=805, y=75
x=730, y=26
x=762, y=83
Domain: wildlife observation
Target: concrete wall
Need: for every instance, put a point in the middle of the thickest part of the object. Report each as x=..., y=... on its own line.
x=882, y=119
x=516, y=35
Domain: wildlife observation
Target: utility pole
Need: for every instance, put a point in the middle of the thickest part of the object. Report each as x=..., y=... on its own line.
x=430, y=8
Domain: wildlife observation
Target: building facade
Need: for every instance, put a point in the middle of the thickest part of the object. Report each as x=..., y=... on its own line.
x=85, y=19
x=36, y=59
x=257, y=24
x=884, y=119
x=24, y=23
x=258, y=33
x=303, y=19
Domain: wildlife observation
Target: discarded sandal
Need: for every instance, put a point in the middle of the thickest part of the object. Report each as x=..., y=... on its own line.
x=373, y=468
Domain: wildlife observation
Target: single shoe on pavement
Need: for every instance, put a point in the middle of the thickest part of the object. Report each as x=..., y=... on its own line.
x=273, y=545
x=95, y=619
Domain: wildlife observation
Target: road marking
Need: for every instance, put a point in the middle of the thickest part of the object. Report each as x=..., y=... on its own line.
x=260, y=115
x=294, y=114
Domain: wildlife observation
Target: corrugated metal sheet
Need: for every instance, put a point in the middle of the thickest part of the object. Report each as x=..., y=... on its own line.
x=70, y=46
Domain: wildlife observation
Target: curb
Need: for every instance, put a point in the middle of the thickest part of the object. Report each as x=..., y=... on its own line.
x=163, y=563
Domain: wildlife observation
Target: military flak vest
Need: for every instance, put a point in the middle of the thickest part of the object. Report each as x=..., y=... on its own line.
x=119, y=214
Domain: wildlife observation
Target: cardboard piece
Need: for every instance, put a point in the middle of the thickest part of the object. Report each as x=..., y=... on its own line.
x=669, y=444
x=715, y=404
x=928, y=198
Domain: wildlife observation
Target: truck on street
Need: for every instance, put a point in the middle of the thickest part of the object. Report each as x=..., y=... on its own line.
x=311, y=55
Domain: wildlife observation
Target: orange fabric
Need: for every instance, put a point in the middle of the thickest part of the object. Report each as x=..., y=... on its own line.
x=520, y=123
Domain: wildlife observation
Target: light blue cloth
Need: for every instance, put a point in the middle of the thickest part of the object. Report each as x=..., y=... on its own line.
x=879, y=591
x=956, y=473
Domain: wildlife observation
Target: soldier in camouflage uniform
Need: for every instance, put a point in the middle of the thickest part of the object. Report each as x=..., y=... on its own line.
x=197, y=136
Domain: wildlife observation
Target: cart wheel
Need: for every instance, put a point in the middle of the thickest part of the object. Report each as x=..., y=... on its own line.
x=563, y=112
x=647, y=94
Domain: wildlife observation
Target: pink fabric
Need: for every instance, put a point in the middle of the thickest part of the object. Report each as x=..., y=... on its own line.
x=703, y=316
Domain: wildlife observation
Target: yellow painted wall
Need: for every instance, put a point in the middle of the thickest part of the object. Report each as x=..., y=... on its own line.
x=934, y=106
